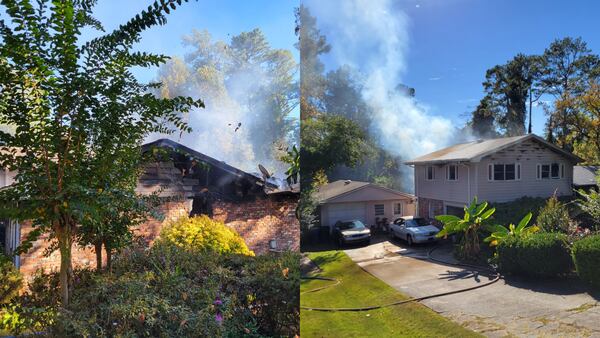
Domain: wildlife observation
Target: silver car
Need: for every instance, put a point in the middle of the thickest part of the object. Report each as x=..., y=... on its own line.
x=352, y=231
x=413, y=230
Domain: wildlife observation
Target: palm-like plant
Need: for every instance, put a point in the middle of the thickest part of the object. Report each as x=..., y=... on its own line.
x=476, y=216
x=501, y=233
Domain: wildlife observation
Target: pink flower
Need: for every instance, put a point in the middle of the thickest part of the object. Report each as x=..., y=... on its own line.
x=219, y=318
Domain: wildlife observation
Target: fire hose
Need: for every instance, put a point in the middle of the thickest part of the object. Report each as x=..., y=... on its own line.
x=410, y=300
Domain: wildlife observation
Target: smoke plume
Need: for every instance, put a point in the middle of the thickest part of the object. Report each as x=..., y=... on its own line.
x=373, y=37
x=237, y=124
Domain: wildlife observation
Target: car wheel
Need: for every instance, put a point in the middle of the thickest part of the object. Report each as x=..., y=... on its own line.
x=340, y=242
x=409, y=240
x=392, y=234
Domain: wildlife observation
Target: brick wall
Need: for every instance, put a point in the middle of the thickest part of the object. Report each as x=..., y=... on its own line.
x=257, y=221
x=36, y=257
x=261, y=221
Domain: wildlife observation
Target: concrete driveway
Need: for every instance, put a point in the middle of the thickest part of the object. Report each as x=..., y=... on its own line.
x=510, y=307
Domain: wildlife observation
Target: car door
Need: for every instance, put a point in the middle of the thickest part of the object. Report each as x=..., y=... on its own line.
x=397, y=226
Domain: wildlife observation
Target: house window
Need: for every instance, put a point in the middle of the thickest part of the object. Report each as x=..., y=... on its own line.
x=452, y=172
x=504, y=172
x=430, y=173
x=379, y=210
x=397, y=208
x=550, y=171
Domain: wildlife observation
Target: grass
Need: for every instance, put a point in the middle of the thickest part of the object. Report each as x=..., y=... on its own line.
x=359, y=288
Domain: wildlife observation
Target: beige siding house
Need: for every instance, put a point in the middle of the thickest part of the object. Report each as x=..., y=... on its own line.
x=367, y=202
x=496, y=170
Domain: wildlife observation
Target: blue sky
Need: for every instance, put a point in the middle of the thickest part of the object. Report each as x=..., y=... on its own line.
x=223, y=19
x=453, y=43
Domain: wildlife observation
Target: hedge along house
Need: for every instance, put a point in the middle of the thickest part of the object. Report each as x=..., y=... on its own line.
x=349, y=200
x=191, y=183
x=494, y=170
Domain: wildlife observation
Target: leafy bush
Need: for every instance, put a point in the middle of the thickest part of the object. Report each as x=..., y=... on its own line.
x=201, y=233
x=500, y=234
x=11, y=280
x=586, y=257
x=590, y=205
x=512, y=212
x=169, y=291
x=554, y=216
x=539, y=254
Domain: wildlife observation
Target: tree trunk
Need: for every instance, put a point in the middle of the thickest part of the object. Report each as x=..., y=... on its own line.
x=98, y=250
x=65, y=243
x=108, y=257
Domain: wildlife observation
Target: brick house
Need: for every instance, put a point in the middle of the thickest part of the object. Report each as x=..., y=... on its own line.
x=188, y=183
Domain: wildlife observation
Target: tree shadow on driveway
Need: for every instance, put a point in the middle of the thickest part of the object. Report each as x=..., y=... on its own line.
x=557, y=286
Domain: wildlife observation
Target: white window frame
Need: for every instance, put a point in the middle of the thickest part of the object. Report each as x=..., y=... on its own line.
x=561, y=171
x=375, y=209
x=455, y=172
x=427, y=173
x=491, y=175
x=401, y=207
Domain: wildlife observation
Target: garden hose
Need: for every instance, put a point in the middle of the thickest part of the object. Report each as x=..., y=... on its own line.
x=416, y=299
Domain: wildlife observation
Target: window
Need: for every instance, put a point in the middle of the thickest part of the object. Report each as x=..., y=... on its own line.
x=452, y=172
x=397, y=208
x=504, y=172
x=550, y=171
x=430, y=173
x=379, y=210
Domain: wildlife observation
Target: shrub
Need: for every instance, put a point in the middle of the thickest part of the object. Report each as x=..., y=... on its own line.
x=201, y=233
x=554, y=216
x=11, y=280
x=586, y=257
x=169, y=291
x=540, y=254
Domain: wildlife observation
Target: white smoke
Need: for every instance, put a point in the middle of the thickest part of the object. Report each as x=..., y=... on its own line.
x=222, y=129
x=373, y=37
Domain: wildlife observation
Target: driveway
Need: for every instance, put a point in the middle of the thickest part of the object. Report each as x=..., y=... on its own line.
x=509, y=307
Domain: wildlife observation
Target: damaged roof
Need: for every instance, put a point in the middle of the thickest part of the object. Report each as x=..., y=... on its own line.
x=333, y=190
x=166, y=143
x=475, y=150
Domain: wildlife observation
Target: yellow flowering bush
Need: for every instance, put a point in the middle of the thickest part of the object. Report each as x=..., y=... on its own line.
x=204, y=234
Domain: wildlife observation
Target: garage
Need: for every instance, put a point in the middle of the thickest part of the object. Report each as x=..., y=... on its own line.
x=346, y=211
x=368, y=202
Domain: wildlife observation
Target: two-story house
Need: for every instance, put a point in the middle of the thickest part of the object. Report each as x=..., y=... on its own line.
x=494, y=170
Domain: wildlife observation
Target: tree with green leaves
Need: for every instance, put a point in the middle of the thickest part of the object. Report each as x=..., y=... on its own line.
x=330, y=140
x=244, y=78
x=75, y=106
x=477, y=217
x=568, y=67
x=508, y=87
x=483, y=119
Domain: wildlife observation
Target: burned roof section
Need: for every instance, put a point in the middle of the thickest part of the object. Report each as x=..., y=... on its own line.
x=180, y=170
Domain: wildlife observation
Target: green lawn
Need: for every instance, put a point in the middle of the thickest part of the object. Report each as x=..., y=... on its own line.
x=359, y=288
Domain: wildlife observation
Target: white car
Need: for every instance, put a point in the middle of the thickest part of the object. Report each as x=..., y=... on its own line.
x=413, y=230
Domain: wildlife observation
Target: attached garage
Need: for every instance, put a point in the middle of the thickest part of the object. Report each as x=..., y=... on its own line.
x=367, y=202
x=345, y=211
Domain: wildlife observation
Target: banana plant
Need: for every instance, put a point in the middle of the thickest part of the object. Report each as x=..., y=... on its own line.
x=476, y=217
x=501, y=233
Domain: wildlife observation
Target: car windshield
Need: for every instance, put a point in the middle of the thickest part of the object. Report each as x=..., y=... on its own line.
x=352, y=225
x=416, y=222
